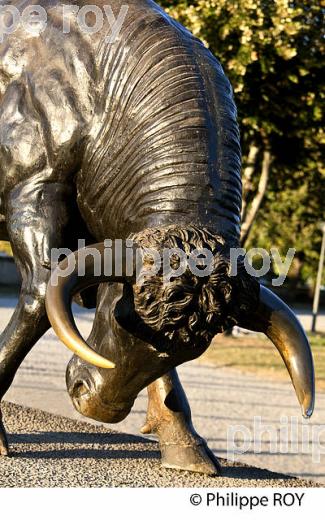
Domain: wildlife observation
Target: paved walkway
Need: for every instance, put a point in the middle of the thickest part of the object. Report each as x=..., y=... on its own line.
x=223, y=403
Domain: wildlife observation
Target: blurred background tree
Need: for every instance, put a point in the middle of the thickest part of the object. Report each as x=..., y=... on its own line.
x=5, y=248
x=272, y=52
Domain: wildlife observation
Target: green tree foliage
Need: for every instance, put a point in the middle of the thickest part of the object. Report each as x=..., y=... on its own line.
x=272, y=52
x=5, y=247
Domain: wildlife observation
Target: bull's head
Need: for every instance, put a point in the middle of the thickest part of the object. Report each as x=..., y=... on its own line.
x=145, y=326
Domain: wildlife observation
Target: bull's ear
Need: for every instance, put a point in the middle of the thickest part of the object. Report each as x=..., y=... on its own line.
x=280, y=324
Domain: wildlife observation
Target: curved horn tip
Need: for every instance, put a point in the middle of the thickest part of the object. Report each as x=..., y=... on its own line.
x=282, y=327
x=105, y=364
x=81, y=349
x=307, y=408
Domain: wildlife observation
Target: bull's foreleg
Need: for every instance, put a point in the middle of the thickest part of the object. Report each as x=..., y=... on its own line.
x=169, y=416
x=37, y=218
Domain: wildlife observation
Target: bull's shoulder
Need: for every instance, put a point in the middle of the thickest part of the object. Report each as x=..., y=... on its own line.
x=48, y=55
x=46, y=99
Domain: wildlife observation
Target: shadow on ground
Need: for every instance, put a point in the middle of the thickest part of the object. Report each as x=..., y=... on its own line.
x=52, y=451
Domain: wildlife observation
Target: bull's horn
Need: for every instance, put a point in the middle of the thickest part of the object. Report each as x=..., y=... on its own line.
x=280, y=324
x=68, y=279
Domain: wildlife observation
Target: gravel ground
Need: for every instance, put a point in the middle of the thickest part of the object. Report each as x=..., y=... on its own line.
x=53, y=451
x=220, y=398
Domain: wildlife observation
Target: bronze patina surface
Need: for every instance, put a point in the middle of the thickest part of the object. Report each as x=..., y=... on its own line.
x=131, y=138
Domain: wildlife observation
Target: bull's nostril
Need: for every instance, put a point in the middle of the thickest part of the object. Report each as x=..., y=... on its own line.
x=80, y=389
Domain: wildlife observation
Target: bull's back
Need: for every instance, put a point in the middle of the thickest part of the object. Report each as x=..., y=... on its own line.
x=164, y=146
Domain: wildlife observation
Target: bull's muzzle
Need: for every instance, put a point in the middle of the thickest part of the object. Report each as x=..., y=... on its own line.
x=88, y=395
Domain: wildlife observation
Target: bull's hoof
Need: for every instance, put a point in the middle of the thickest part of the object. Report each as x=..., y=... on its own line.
x=196, y=457
x=4, y=448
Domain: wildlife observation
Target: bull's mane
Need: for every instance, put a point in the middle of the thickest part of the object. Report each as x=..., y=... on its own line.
x=190, y=309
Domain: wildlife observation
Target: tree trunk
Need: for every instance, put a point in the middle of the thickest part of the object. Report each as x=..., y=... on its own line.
x=251, y=212
x=247, y=177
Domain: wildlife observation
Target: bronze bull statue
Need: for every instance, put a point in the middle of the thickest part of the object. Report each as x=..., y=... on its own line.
x=133, y=137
